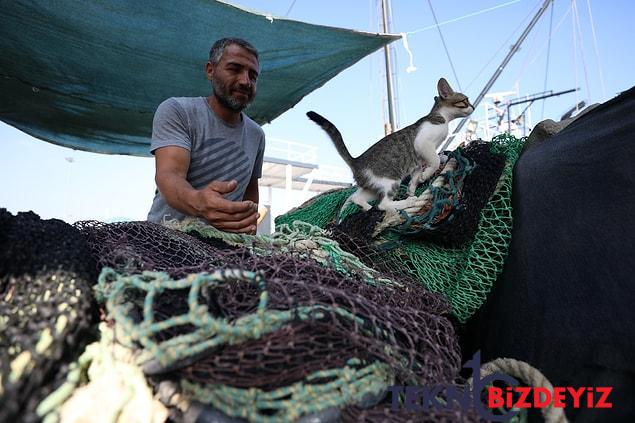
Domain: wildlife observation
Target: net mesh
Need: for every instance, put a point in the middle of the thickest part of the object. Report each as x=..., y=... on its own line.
x=481, y=226
x=270, y=335
x=315, y=321
x=45, y=312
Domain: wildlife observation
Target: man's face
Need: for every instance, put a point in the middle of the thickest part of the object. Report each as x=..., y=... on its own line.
x=234, y=78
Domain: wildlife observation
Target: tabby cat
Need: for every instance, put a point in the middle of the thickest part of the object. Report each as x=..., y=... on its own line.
x=380, y=169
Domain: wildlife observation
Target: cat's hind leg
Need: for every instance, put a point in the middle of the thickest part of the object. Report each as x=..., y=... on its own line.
x=388, y=204
x=362, y=198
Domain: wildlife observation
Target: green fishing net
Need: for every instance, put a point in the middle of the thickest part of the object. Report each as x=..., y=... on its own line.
x=463, y=275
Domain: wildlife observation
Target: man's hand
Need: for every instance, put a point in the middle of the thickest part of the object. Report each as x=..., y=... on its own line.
x=208, y=203
x=226, y=215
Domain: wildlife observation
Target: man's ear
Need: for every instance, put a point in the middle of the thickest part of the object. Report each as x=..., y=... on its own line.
x=444, y=88
x=209, y=70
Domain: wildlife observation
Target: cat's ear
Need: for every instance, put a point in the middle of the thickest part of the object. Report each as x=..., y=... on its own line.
x=444, y=88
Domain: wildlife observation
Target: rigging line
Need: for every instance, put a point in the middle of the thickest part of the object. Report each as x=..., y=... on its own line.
x=586, y=76
x=460, y=18
x=597, y=52
x=505, y=44
x=445, y=46
x=290, y=7
x=555, y=31
x=575, y=51
x=544, y=88
x=526, y=61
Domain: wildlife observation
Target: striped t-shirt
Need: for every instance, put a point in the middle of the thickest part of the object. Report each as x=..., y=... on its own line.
x=218, y=151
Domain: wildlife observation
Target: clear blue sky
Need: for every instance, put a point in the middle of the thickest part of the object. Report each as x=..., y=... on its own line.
x=39, y=176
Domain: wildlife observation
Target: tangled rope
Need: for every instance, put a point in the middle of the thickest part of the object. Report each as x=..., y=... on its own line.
x=531, y=376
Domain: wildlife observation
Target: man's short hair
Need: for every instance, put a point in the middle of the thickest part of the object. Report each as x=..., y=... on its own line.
x=217, y=50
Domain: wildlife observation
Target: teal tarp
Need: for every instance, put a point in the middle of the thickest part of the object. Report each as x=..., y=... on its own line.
x=89, y=75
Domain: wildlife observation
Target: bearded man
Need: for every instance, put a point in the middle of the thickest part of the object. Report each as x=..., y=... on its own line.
x=208, y=153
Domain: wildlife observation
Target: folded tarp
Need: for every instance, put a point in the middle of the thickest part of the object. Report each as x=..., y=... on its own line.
x=564, y=302
x=89, y=75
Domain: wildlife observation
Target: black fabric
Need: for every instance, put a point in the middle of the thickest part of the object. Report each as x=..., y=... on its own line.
x=565, y=302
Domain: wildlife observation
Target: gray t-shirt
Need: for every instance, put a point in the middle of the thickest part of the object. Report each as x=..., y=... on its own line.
x=218, y=151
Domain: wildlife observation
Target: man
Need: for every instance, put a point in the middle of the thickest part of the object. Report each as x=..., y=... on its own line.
x=208, y=153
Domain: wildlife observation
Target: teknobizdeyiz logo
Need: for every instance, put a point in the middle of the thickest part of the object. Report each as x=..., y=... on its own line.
x=422, y=398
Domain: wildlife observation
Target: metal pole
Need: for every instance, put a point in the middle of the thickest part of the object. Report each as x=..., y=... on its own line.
x=385, y=5
x=500, y=68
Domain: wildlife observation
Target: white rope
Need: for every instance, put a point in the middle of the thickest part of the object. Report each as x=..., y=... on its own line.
x=575, y=53
x=578, y=26
x=460, y=18
x=411, y=67
x=423, y=201
x=505, y=44
x=544, y=87
x=530, y=376
x=597, y=52
x=546, y=43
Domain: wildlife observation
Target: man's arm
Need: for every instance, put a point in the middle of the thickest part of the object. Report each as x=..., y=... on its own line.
x=172, y=164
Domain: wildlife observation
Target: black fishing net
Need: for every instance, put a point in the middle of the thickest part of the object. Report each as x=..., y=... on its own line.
x=46, y=310
x=459, y=227
x=132, y=247
x=385, y=413
x=323, y=318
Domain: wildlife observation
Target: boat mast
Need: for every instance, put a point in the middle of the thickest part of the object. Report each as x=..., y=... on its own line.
x=500, y=68
x=385, y=8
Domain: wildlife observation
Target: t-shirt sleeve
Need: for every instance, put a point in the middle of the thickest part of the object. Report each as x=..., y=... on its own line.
x=260, y=156
x=169, y=127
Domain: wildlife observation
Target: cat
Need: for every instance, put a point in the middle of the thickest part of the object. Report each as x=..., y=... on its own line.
x=380, y=169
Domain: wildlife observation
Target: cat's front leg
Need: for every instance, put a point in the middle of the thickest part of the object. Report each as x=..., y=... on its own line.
x=433, y=161
x=415, y=178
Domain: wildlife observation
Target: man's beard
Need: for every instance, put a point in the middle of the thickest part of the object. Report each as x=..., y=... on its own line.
x=223, y=94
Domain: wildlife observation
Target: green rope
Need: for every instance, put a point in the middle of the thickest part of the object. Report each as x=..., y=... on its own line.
x=347, y=385
x=316, y=392
x=297, y=237
x=442, y=196
x=210, y=331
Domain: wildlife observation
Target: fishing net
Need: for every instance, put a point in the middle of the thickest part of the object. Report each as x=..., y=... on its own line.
x=269, y=334
x=384, y=413
x=458, y=256
x=315, y=322
x=105, y=378
x=45, y=313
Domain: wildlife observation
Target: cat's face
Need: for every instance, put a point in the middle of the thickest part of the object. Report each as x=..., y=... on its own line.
x=454, y=104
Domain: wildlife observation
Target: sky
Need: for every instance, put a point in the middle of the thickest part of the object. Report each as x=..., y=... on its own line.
x=591, y=51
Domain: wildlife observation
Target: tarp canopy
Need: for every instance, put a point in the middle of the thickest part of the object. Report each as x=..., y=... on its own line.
x=89, y=75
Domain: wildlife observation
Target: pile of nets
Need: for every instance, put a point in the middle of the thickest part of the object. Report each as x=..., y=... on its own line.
x=313, y=323
x=268, y=334
x=458, y=255
x=46, y=310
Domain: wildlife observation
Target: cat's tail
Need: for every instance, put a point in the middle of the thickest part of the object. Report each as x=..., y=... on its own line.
x=335, y=135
